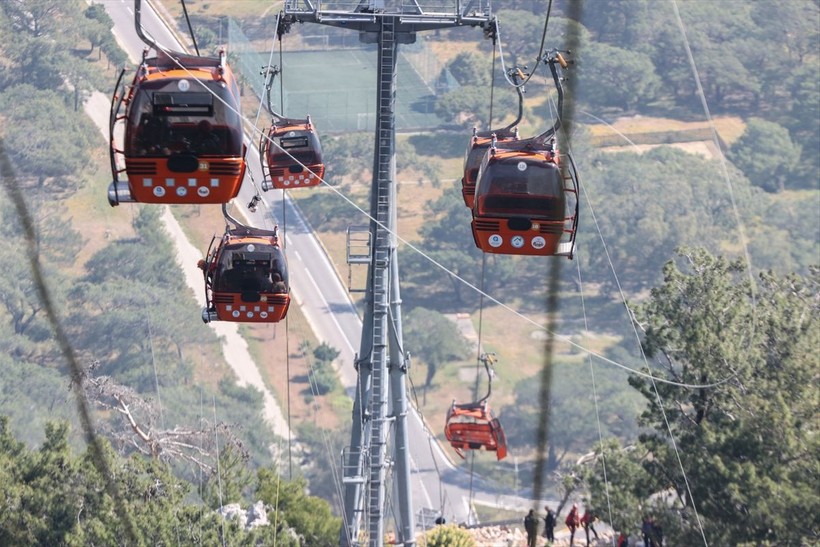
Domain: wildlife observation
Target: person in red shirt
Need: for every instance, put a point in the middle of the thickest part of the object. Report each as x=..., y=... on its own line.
x=573, y=521
x=587, y=520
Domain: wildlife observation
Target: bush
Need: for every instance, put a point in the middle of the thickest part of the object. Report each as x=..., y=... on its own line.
x=324, y=377
x=448, y=536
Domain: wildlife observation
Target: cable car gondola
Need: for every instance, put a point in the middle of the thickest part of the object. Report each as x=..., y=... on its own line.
x=480, y=143
x=526, y=201
x=246, y=277
x=473, y=426
x=183, y=132
x=292, y=154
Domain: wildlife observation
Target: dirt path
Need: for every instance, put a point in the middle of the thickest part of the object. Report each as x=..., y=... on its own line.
x=234, y=347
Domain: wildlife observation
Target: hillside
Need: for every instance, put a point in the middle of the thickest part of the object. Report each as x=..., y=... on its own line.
x=697, y=255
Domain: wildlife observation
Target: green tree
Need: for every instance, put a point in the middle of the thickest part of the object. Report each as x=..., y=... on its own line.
x=98, y=26
x=649, y=204
x=38, y=17
x=611, y=76
x=745, y=443
x=309, y=516
x=467, y=106
x=446, y=238
x=629, y=24
x=231, y=481
x=434, y=339
x=804, y=90
x=766, y=155
x=325, y=352
x=322, y=374
x=53, y=497
x=471, y=68
x=521, y=34
x=35, y=147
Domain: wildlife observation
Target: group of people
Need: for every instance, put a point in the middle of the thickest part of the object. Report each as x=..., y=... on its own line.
x=574, y=520
x=651, y=531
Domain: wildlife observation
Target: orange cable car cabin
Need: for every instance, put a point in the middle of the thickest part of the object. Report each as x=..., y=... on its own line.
x=246, y=278
x=292, y=154
x=183, y=141
x=526, y=203
x=481, y=141
x=479, y=145
x=473, y=426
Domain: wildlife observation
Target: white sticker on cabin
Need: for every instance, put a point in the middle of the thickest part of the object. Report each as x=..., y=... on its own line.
x=495, y=240
x=539, y=242
x=522, y=166
x=517, y=242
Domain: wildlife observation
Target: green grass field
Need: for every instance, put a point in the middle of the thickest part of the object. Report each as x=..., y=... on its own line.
x=338, y=89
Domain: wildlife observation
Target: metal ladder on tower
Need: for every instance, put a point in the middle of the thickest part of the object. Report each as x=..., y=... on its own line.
x=381, y=280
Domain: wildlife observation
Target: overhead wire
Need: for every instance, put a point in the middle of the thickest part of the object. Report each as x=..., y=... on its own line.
x=96, y=448
x=314, y=391
x=190, y=28
x=218, y=471
x=256, y=121
x=578, y=346
x=648, y=375
x=553, y=108
x=154, y=365
x=595, y=396
x=722, y=159
x=540, y=50
x=451, y=273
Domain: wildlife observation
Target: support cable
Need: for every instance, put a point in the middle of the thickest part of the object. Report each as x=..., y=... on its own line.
x=540, y=50
x=648, y=375
x=492, y=87
x=95, y=445
x=723, y=168
x=218, y=474
x=329, y=451
x=595, y=395
x=446, y=270
x=190, y=28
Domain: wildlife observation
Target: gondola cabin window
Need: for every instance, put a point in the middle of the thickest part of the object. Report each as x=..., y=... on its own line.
x=170, y=116
x=522, y=187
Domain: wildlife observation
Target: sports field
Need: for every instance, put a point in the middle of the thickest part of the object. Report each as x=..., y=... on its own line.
x=338, y=89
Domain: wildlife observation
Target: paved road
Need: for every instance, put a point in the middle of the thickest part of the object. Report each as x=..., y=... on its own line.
x=437, y=485
x=234, y=347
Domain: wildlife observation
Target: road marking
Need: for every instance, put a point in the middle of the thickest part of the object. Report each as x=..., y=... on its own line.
x=329, y=312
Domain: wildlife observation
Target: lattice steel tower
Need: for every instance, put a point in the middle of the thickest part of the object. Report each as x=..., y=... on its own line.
x=380, y=400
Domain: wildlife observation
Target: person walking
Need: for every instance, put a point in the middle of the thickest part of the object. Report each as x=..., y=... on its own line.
x=549, y=524
x=587, y=520
x=572, y=521
x=646, y=531
x=531, y=527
